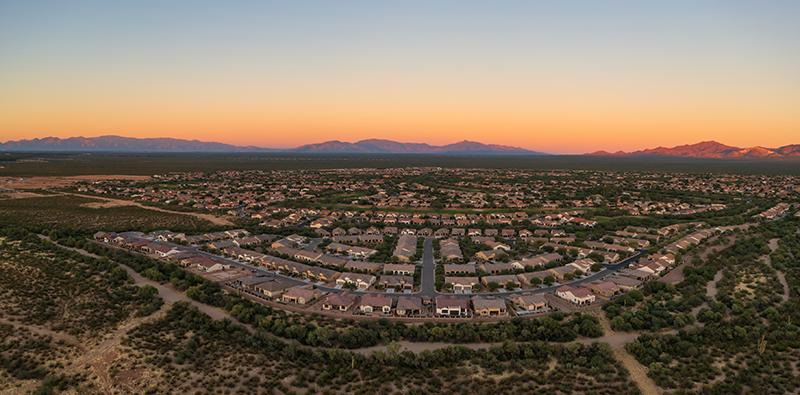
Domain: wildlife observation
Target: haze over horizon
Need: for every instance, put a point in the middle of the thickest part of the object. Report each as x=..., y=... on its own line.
x=552, y=77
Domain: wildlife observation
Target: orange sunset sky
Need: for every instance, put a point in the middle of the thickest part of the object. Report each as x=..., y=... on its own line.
x=558, y=78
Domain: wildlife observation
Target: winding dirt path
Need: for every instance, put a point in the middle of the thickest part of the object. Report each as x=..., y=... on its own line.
x=119, y=202
x=638, y=372
x=773, y=246
x=47, y=332
x=99, y=352
x=167, y=293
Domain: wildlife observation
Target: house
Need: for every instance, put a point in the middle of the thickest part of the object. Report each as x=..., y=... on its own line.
x=364, y=266
x=271, y=262
x=442, y=232
x=406, y=248
x=481, y=239
x=371, y=238
x=578, y=296
x=301, y=295
x=361, y=252
x=272, y=289
x=584, y=265
x=526, y=277
x=489, y=255
x=640, y=275
x=322, y=233
x=284, y=242
x=391, y=268
x=496, y=268
x=307, y=256
x=288, y=251
x=450, y=250
x=221, y=245
x=462, y=283
x=212, y=266
x=502, y=279
x=609, y=256
x=339, y=302
x=531, y=303
x=376, y=303
x=360, y=280
x=332, y=260
x=321, y=274
x=425, y=232
x=604, y=288
x=626, y=284
x=248, y=282
x=104, y=236
x=496, y=245
x=338, y=232
x=345, y=239
x=452, y=306
x=507, y=233
x=411, y=306
x=391, y=282
x=450, y=269
x=489, y=306
x=560, y=271
x=389, y=231
x=337, y=247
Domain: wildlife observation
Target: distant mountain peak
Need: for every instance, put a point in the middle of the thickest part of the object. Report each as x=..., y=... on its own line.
x=713, y=149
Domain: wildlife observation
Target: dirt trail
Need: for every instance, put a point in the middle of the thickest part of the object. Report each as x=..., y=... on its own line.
x=773, y=246
x=711, y=290
x=47, y=332
x=614, y=340
x=99, y=352
x=782, y=278
x=119, y=202
x=638, y=372
x=167, y=293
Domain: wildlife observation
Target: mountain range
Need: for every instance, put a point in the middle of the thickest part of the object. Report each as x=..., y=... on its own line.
x=118, y=143
x=712, y=149
x=388, y=146
x=131, y=144
x=706, y=149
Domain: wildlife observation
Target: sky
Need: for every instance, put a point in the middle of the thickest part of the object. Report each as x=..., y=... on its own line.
x=558, y=77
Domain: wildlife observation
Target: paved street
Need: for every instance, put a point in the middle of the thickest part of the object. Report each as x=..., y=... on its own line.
x=428, y=279
x=313, y=244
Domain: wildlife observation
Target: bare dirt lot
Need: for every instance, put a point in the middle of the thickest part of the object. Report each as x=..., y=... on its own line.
x=110, y=203
x=20, y=195
x=57, y=182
